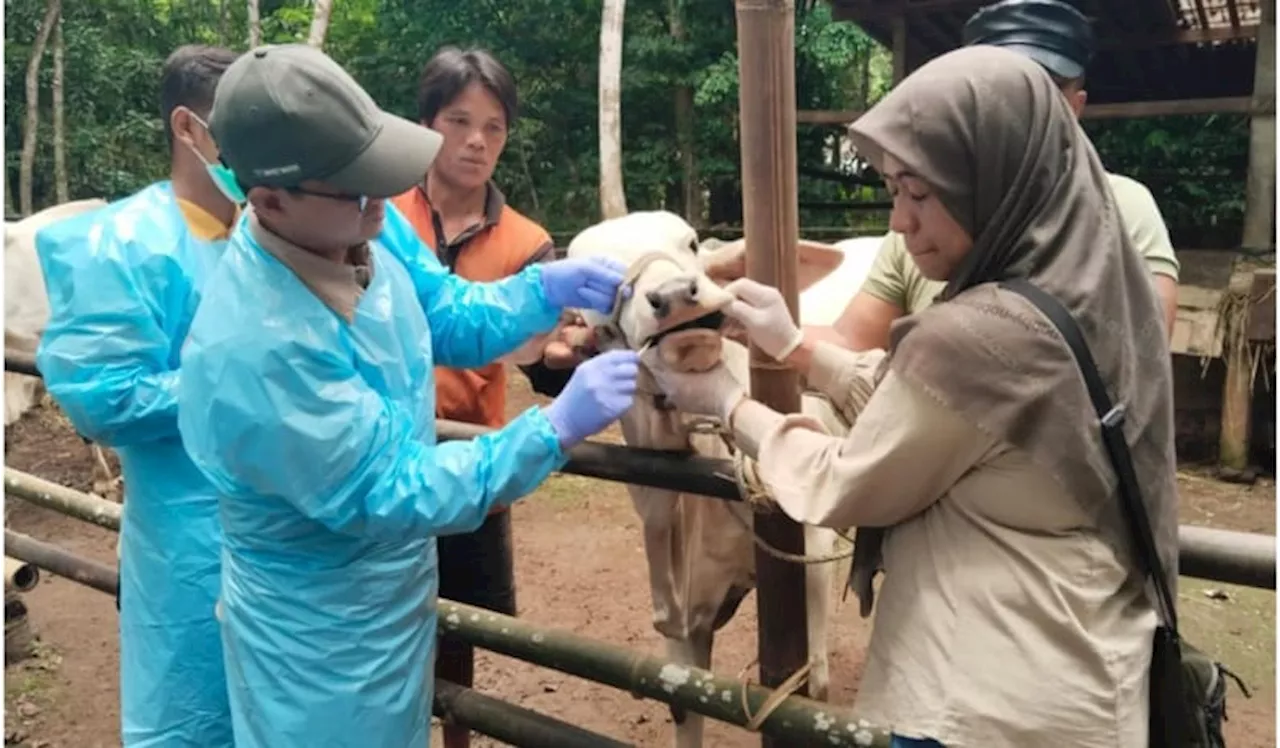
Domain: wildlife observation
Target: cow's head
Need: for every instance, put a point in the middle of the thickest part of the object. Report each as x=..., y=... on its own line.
x=670, y=302
x=676, y=299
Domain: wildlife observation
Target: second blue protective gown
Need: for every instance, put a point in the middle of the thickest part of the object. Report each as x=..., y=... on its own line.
x=320, y=433
x=123, y=285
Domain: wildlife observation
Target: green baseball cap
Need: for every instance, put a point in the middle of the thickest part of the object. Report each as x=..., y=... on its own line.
x=284, y=114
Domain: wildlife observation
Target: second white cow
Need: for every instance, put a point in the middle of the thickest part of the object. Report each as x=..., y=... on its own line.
x=26, y=303
x=700, y=550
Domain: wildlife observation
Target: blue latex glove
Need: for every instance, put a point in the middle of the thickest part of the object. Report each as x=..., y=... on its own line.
x=587, y=283
x=600, y=390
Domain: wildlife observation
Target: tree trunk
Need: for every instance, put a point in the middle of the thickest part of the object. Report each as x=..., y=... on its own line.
x=255, y=25
x=224, y=20
x=864, y=86
x=613, y=200
x=61, y=186
x=691, y=185
x=30, y=132
x=319, y=23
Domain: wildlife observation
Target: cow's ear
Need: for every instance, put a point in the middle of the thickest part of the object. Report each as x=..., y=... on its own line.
x=725, y=263
x=728, y=262
x=817, y=260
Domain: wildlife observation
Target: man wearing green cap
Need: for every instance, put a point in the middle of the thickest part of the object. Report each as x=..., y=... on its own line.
x=307, y=399
x=1059, y=38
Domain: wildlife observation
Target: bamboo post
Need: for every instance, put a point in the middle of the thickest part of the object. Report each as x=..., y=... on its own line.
x=1259, y=234
x=1260, y=188
x=672, y=471
x=1243, y=558
x=19, y=576
x=61, y=562
x=83, y=506
x=767, y=118
x=1237, y=387
x=797, y=721
x=511, y=723
x=899, y=48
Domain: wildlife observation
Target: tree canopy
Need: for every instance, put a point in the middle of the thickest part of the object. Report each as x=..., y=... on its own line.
x=673, y=49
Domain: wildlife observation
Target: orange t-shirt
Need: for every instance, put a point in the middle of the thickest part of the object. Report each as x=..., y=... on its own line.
x=501, y=245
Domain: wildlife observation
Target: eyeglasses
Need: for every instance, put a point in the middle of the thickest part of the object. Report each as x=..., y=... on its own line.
x=361, y=200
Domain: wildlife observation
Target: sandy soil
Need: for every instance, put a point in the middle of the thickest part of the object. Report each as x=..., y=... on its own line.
x=576, y=540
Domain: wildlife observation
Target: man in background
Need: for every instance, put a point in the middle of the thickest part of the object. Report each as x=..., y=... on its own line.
x=1060, y=39
x=470, y=99
x=123, y=285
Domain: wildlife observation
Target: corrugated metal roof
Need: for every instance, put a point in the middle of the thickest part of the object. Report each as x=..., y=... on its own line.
x=1214, y=14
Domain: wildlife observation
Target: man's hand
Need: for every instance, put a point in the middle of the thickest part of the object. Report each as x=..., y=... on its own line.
x=598, y=393
x=571, y=344
x=590, y=283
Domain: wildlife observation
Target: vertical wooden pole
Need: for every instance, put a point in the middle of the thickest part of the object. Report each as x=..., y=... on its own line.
x=1259, y=234
x=1237, y=388
x=1260, y=188
x=899, y=48
x=767, y=118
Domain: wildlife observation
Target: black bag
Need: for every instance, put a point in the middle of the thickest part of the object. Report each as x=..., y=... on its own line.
x=1188, y=688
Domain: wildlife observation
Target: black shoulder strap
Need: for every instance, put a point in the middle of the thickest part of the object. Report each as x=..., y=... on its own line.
x=1111, y=422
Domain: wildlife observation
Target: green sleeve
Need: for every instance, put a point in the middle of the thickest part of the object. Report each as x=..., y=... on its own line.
x=1145, y=226
x=887, y=278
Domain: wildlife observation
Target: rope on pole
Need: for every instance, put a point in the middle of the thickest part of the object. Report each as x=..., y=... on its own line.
x=796, y=720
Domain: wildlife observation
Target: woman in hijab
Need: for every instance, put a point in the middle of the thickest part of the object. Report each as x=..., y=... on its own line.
x=1012, y=611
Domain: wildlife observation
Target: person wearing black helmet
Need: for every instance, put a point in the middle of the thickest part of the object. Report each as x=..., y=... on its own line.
x=1061, y=40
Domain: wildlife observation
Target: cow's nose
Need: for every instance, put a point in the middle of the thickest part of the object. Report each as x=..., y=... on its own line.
x=693, y=290
x=661, y=307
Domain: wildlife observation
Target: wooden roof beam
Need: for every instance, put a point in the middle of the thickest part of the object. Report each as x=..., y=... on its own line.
x=866, y=10
x=1204, y=17
x=1179, y=37
x=1124, y=110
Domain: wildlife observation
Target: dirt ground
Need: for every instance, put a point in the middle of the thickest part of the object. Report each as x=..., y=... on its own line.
x=576, y=540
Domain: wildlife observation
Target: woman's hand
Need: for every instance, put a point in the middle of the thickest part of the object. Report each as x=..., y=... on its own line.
x=762, y=310
x=710, y=393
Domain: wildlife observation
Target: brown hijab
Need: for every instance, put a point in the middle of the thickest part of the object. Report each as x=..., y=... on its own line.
x=993, y=135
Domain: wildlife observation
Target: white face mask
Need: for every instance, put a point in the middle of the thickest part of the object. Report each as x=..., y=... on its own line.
x=222, y=177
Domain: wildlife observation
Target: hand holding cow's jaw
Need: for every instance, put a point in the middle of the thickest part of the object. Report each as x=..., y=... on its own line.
x=712, y=392
x=763, y=312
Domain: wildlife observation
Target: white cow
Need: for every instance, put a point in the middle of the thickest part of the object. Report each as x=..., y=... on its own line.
x=830, y=274
x=700, y=550
x=26, y=303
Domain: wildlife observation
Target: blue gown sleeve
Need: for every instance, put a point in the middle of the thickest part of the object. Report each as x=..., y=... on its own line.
x=295, y=421
x=472, y=324
x=104, y=355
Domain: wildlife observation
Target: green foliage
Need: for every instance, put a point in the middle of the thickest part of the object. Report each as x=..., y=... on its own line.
x=1194, y=166
x=114, y=50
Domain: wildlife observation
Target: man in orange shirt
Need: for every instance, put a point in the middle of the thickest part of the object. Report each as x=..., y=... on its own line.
x=470, y=99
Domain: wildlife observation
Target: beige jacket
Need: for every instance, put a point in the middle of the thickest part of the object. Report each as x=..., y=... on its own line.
x=1003, y=618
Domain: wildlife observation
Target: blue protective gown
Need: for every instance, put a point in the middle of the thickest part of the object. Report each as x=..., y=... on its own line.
x=321, y=436
x=123, y=284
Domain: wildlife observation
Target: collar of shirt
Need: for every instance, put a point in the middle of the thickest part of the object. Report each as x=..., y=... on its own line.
x=339, y=285
x=203, y=224
x=448, y=251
